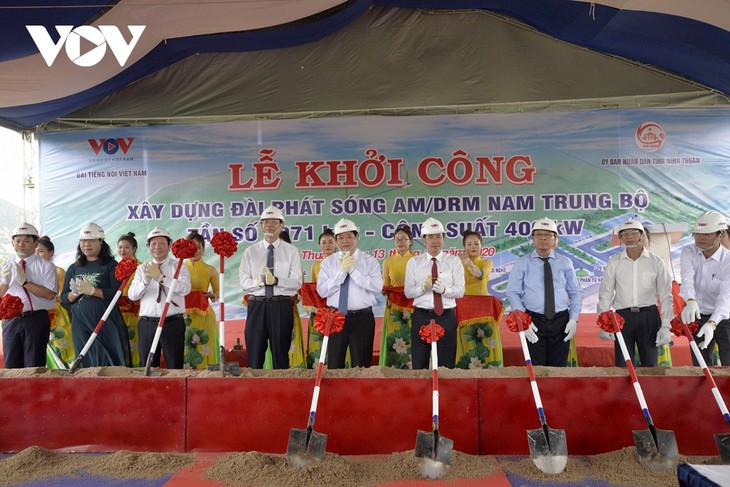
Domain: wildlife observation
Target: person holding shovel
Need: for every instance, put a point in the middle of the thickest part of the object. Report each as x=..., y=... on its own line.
x=350, y=281
x=151, y=285
x=705, y=270
x=271, y=273
x=89, y=287
x=543, y=283
x=33, y=280
x=633, y=282
x=434, y=279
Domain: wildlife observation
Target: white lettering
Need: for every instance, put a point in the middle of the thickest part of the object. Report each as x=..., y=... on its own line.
x=100, y=37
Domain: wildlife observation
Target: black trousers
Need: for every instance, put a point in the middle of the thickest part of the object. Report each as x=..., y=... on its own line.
x=25, y=339
x=172, y=341
x=445, y=347
x=269, y=322
x=721, y=337
x=550, y=348
x=358, y=334
x=639, y=332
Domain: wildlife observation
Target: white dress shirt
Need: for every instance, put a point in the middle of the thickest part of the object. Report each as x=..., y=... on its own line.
x=629, y=283
x=287, y=268
x=38, y=271
x=148, y=294
x=451, y=274
x=707, y=280
x=366, y=281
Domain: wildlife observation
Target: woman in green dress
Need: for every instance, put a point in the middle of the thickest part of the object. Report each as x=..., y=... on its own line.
x=89, y=287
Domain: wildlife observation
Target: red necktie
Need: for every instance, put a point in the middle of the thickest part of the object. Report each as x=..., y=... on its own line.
x=22, y=266
x=438, y=305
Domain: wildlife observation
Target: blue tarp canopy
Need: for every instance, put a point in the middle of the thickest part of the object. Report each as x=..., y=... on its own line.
x=212, y=60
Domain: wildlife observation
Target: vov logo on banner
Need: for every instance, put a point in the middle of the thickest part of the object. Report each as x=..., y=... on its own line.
x=100, y=37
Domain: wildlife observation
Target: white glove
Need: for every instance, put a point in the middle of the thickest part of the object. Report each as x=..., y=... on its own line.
x=570, y=330
x=707, y=332
x=20, y=277
x=691, y=312
x=348, y=263
x=438, y=287
x=151, y=271
x=73, y=285
x=269, y=277
x=531, y=333
x=6, y=274
x=603, y=335
x=426, y=286
x=85, y=287
x=664, y=336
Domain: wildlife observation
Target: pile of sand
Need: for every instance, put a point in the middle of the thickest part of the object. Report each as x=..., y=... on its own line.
x=256, y=469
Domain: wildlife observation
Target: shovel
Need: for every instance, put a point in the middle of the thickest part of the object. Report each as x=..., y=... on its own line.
x=95, y=333
x=548, y=446
x=722, y=440
x=656, y=449
x=307, y=446
x=433, y=451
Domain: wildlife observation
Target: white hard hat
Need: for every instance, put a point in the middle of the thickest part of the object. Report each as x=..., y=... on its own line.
x=546, y=224
x=345, y=225
x=158, y=232
x=25, y=229
x=628, y=225
x=91, y=231
x=272, y=213
x=432, y=227
x=710, y=222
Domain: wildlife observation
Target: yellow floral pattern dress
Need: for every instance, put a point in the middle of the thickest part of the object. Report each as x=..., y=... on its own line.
x=60, y=341
x=202, y=344
x=395, y=341
x=478, y=342
x=130, y=313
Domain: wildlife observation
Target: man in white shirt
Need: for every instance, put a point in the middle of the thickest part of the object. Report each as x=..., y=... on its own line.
x=32, y=279
x=705, y=268
x=351, y=280
x=434, y=280
x=271, y=273
x=633, y=282
x=150, y=286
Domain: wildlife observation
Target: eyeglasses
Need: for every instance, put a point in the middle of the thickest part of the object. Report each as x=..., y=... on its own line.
x=543, y=235
x=401, y=239
x=630, y=233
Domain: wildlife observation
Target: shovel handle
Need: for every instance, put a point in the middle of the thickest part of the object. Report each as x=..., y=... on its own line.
x=632, y=373
x=706, y=371
x=221, y=309
x=163, y=315
x=318, y=380
x=533, y=380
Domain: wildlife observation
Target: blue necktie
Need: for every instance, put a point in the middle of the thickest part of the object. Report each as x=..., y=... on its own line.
x=344, y=289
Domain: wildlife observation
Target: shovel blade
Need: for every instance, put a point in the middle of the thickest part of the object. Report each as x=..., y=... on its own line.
x=723, y=446
x=659, y=455
x=305, y=447
x=548, y=451
x=433, y=452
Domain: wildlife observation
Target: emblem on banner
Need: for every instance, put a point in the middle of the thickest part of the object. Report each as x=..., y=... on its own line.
x=650, y=136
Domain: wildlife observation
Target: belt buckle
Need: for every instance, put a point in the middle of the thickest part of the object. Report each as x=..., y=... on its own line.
x=635, y=309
